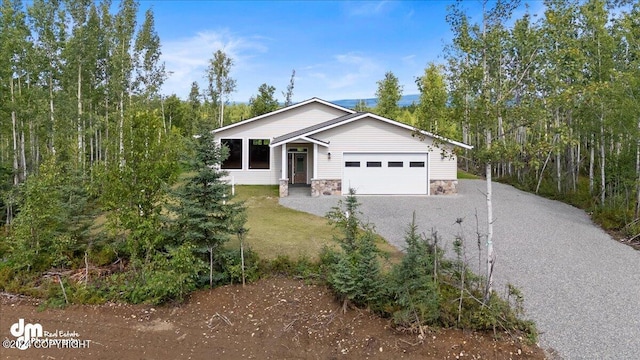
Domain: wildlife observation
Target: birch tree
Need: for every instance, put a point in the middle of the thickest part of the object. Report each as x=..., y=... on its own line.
x=484, y=46
x=122, y=63
x=221, y=84
x=150, y=72
x=288, y=96
x=388, y=94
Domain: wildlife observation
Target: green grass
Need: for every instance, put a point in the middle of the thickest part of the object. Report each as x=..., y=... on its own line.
x=465, y=175
x=277, y=230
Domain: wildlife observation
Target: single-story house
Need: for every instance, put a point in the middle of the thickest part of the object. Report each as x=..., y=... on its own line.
x=331, y=148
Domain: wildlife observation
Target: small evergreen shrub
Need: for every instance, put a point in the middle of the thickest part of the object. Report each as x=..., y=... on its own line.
x=424, y=289
x=355, y=273
x=229, y=266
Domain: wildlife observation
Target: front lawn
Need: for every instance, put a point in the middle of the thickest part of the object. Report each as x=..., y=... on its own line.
x=277, y=230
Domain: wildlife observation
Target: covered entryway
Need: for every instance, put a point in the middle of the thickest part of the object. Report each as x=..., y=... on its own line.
x=385, y=173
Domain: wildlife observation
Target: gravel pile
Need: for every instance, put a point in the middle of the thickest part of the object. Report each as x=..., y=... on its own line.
x=580, y=286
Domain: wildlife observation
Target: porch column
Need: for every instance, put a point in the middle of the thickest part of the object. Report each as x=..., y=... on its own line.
x=284, y=181
x=285, y=171
x=315, y=161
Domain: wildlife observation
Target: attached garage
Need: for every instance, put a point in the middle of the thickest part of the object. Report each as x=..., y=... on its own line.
x=385, y=173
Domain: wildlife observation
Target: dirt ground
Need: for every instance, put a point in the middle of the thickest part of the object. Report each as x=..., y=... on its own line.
x=274, y=318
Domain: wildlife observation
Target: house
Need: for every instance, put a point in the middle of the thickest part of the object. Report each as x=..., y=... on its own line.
x=331, y=148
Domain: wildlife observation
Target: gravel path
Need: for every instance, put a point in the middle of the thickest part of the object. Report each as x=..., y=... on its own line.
x=580, y=286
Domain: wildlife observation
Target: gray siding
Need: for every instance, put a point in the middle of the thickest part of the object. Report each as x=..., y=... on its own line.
x=268, y=128
x=371, y=135
x=283, y=123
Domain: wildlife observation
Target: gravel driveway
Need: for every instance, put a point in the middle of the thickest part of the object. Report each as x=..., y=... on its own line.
x=580, y=286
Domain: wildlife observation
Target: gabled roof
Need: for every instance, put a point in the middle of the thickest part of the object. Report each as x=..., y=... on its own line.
x=290, y=107
x=312, y=128
x=307, y=132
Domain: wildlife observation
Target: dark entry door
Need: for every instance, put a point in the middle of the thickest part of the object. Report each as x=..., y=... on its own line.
x=298, y=168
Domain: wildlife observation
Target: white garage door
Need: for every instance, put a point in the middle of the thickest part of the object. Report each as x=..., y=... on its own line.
x=385, y=173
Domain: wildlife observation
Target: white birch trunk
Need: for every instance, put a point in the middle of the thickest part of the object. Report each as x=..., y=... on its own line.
x=602, y=162
x=79, y=124
x=121, y=131
x=637, y=212
x=14, y=129
x=51, y=116
x=106, y=130
x=23, y=157
x=592, y=158
x=558, y=158
x=490, y=253
x=221, y=110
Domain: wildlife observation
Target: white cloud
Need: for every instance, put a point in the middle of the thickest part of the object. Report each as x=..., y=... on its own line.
x=355, y=70
x=366, y=8
x=187, y=59
x=345, y=75
x=409, y=60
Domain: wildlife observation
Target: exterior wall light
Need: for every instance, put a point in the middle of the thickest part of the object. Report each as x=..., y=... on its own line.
x=329, y=155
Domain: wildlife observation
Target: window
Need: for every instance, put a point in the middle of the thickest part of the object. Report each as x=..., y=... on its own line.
x=259, y=153
x=395, y=164
x=298, y=149
x=416, y=164
x=234, y=160
x=374, y=163
x=352, y=164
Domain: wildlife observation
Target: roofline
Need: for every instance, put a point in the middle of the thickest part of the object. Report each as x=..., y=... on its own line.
x=315, y=141
x=423, y=132
x=300, y=137
x=378, y=117
x=287, y=108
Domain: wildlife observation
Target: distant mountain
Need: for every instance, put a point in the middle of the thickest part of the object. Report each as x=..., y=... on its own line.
x=406, y=100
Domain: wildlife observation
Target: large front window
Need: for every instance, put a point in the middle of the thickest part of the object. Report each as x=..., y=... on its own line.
x=234, y=160
x=259, y=153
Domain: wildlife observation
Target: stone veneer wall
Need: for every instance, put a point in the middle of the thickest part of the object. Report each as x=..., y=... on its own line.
x=284, y=187
x=444, y=187
x=326, y=187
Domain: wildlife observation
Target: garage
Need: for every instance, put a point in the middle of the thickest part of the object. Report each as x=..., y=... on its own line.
x=385, y=173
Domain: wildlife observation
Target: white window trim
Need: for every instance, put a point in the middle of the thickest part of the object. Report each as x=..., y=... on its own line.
x=247, y=157
x=242, y=158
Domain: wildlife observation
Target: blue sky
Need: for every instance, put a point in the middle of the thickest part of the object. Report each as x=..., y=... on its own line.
x=339, y=49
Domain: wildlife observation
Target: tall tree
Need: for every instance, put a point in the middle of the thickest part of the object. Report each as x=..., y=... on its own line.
x=14, y=45
x=47, y=22
x=629, y=74
x=599, y=50
x=264, y=102
x=221, y=84
x=195, y=107
x=133, y=193
x=482, y=47
x=150, y=72
x=388, y=94
x=288, y=96
x=122, y=63
x=207, y=215
x=431, y=111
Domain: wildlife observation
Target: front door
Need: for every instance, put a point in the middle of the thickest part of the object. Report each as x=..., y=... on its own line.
x=298, y=168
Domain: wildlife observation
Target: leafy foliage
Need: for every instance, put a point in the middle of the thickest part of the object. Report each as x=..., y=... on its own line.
x=51, y=227
x=265, y=101
x=388, y=93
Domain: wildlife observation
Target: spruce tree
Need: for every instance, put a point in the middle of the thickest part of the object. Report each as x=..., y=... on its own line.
x=207, y=215
x=356, y=274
